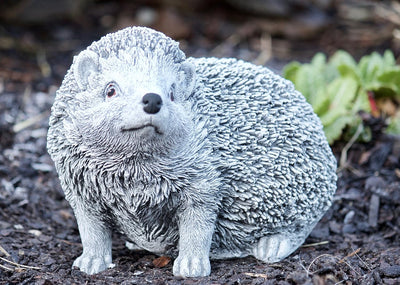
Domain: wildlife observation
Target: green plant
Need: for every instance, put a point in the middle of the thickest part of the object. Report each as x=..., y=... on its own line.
x=339, y=88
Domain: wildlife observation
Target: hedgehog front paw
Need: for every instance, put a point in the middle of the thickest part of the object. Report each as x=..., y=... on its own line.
x=192, y=266
x=92, y=264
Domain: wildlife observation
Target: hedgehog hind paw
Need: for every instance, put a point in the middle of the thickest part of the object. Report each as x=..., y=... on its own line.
x=274, y=248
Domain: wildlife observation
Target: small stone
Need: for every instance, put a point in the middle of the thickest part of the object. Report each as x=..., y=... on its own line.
x=349, y=217
x=42, y=167
x=18, y=227
x=35, y=232
x=349, y=229
x=373, y=211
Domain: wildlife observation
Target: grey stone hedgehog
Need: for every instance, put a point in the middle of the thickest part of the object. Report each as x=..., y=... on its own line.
x=195, y=158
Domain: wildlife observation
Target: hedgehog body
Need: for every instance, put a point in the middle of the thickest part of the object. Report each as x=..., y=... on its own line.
x=195, y=158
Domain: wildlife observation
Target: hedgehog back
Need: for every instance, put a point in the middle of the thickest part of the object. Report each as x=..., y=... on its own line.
x=277, y=169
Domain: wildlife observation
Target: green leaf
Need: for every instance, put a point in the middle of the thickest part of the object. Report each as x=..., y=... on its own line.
x=345, y=64
x=308, y=81
x=341, y=92
x=337, y=88
x=361, y=103
x=290, y=71
x=370, y=66
x=318, y=61
x=342, y=57
x=321, y=102
x=335, y=129
x=390, y=79
x=348, y=71
x=330, y=73
x=388, y=59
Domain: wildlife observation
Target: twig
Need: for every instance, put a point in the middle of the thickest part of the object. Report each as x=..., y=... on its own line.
x=315, y=244
x=315, y=259
x=232, y=40
x=6, y=268
x=256, y=275
x=70, y=242
x=343, y=156
x=29, y=122
x=350, y=255
x=265, y=50
x=43, y=63
x=332, y=256
x=366, y=265
x=19, y=265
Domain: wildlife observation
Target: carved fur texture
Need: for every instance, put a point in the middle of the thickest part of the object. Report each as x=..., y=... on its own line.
x=223, y=159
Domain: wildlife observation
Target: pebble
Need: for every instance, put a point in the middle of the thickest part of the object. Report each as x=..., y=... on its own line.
x=349, y=229
x=18, y=227
x=349, y=217
x=35, y=232
x=42, y=167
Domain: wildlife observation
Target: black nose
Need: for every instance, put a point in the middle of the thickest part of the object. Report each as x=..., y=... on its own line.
x=152, y=103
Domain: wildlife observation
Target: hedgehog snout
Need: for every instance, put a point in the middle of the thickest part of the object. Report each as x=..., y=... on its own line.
x=152, y=103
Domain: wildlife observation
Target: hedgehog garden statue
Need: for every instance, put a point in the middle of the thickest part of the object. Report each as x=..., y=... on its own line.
x=195, y=158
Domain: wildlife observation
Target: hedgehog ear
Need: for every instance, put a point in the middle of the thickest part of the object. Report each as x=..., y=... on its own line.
x=85, y=64
x=188, y=77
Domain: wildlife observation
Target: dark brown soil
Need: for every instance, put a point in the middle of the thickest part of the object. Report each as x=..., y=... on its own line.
x=357, y=241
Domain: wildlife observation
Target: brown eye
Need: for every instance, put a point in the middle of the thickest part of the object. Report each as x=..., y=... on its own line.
x=111, y=90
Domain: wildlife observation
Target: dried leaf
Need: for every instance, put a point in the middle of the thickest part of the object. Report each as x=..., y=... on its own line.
x=161, y=261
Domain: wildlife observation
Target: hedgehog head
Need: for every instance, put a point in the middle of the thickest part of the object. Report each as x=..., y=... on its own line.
x=129, y=94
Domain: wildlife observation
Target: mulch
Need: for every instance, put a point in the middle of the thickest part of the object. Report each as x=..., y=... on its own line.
x=356, y=242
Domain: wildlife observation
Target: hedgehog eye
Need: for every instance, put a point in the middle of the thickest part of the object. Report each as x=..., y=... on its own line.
x=111, y=90
x=172, y=92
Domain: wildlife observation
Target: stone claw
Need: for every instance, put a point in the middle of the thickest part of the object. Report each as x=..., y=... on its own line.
x=91, y=264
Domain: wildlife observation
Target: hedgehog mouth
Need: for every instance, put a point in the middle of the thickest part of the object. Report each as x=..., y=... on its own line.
x=134, y=129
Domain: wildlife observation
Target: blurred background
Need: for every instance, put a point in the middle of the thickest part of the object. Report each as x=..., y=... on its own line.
x=39, y=37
